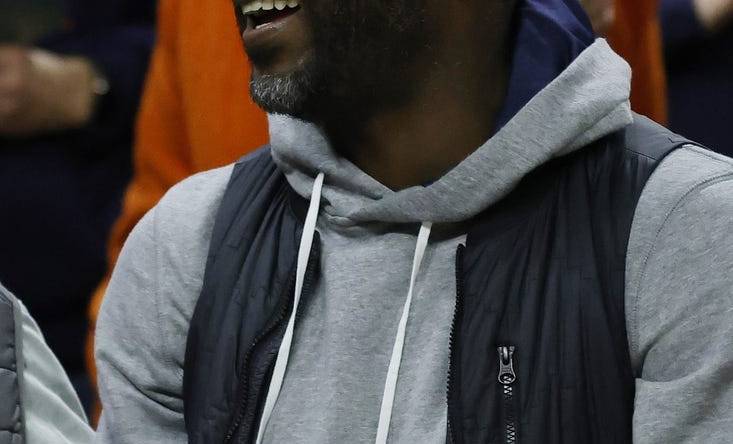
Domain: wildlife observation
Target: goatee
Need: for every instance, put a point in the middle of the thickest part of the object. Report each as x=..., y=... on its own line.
x=360, y=63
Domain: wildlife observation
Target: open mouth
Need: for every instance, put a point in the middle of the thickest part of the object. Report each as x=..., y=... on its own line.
x=261, y=13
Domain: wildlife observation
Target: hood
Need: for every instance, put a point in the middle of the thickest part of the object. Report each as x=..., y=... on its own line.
x=563, y=95
x=550, y=35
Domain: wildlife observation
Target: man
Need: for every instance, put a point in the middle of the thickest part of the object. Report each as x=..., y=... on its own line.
x=39, y=404
x=180, y=132
x=373, y=276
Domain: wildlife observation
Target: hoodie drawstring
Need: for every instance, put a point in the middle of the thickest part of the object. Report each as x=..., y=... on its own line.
x=283, y=355
x=390, y=386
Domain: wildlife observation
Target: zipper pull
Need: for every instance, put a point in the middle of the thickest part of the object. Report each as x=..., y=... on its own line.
x=506, y=365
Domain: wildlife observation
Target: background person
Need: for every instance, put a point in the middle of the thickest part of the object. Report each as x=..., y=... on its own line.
x=39, y=404
x=698, y=37
x=67, y=104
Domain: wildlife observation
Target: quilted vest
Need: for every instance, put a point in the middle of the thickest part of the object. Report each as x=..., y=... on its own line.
x=11, y=427
x=538, y=350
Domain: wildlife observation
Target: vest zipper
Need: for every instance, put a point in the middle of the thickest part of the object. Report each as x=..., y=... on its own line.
x=275, y=322
x=452, y=344
x=507, y=378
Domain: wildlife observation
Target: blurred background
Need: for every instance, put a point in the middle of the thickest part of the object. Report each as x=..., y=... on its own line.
x=100, y=114
x=71, y=75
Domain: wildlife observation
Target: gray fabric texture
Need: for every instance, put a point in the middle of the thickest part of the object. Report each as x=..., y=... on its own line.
x=333, y=387
x=143, y=324
x=51, y=411
x=367, y=253
x=679, y=301
x=586, y=102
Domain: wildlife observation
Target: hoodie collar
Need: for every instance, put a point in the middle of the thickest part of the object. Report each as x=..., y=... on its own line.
x=564, y=92
x=550, y=34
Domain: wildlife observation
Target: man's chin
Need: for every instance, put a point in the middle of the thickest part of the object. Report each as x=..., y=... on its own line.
x=287, y=93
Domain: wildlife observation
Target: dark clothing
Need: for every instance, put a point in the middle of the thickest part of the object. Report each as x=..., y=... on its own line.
x=60, y=192
x=11, y=425
x=700, y=73
x=550, y=34
x=549, y=258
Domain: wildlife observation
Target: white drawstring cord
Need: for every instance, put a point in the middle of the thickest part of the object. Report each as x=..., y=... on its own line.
x=283, y=354
x=390, y=386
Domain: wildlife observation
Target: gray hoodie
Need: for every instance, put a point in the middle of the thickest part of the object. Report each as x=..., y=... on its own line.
x=678, y=287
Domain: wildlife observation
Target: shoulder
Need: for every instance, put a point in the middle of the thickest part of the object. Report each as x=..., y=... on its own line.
x=689, y=178
x=682, y=178
x=184, y=216
x=172, y=239
x=144, y=317
x=159, y=272
x=197, y=195
x=679, y=298
x=204, y=190
x=188, y=210
x=679, y=246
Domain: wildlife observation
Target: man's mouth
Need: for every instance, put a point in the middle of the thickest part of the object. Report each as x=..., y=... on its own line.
x=261, y=13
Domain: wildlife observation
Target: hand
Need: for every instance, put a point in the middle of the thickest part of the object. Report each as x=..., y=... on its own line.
x=602, y=14
x=714, y=14
x=41, y=91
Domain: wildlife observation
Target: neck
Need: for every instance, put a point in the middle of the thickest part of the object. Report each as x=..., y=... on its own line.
x=452, y=112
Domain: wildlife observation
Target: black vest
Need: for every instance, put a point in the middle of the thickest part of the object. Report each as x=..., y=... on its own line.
x=11, y=418
x=539, y=351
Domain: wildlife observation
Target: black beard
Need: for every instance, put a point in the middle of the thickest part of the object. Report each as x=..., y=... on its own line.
x=363, y=51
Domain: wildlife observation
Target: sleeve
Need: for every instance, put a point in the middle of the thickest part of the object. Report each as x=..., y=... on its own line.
x=679, y=23
x=681, y=328
x=51, y=409
x=139, y=362
x=144, y=320
x=160, y=153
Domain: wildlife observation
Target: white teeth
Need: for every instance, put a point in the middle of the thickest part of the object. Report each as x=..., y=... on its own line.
x=268, y=5
x=255, y=5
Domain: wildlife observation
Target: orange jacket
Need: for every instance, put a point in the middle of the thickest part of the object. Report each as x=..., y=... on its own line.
x=196, y=113
x=637, y=37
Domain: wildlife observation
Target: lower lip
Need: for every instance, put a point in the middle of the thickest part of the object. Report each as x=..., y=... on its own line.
x=265, y=32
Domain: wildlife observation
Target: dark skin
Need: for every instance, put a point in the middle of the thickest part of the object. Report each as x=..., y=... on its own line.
x=459, y=82
x=460, y=92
